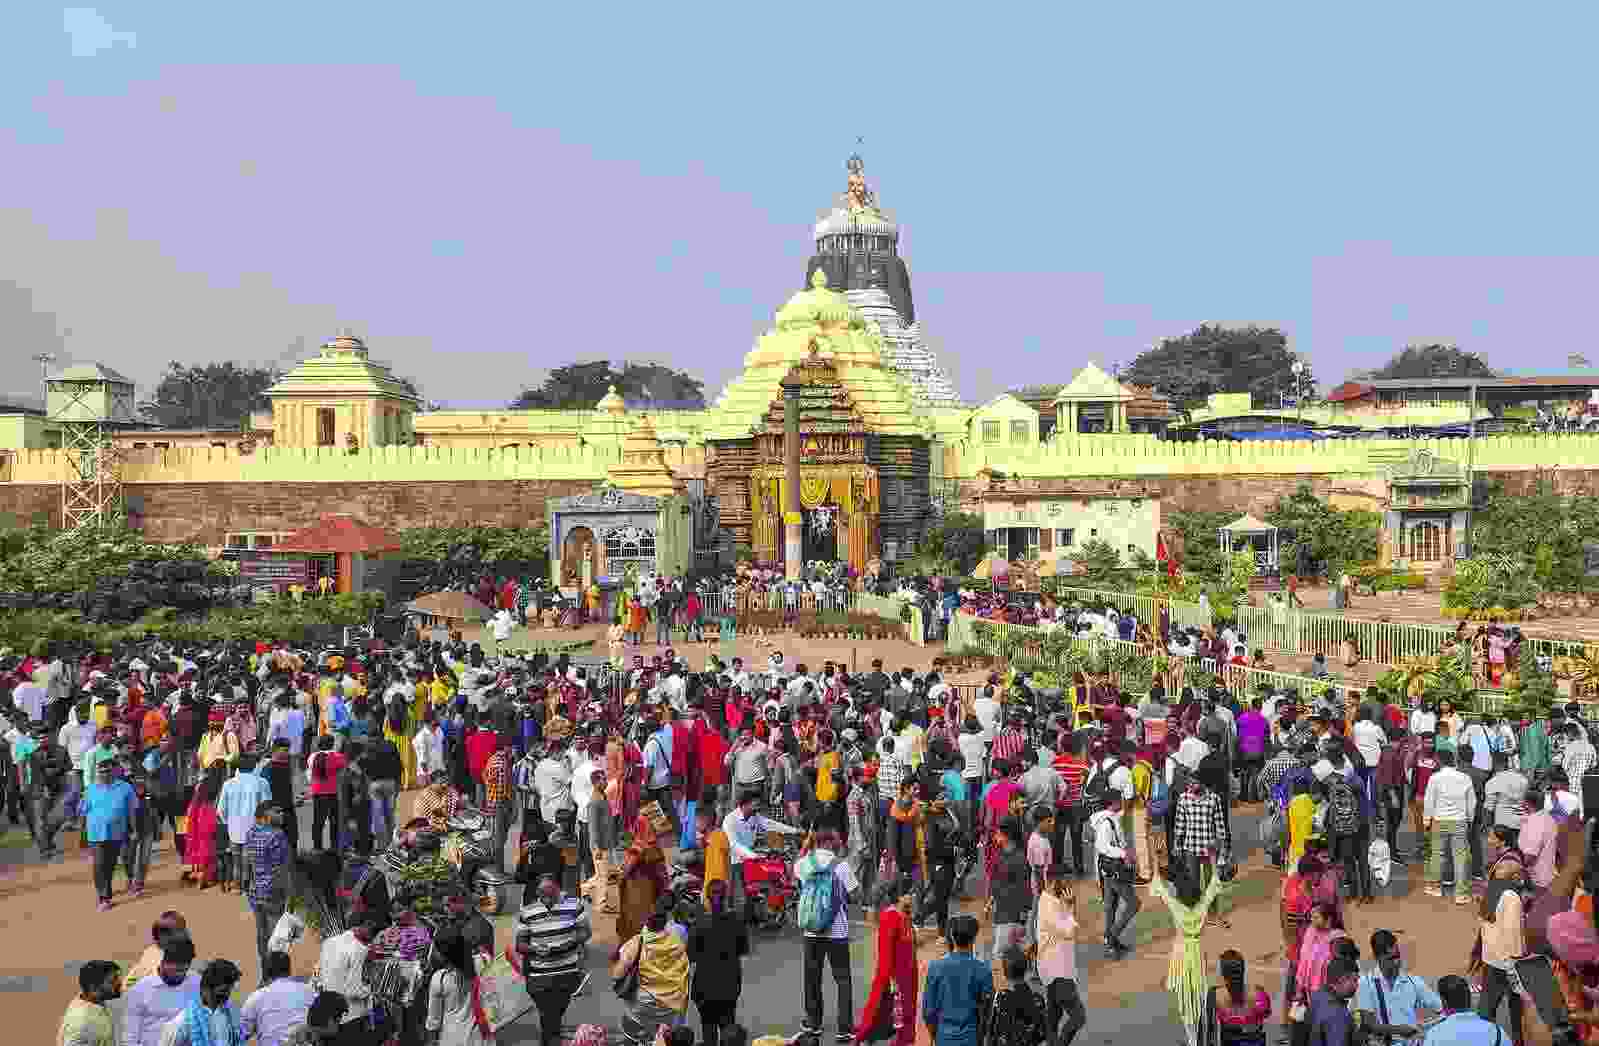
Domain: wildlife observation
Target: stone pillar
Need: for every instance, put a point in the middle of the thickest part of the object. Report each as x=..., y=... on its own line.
x=793, y=546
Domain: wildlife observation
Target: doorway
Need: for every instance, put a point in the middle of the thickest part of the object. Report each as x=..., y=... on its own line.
x=820, y=537
x=578, y=541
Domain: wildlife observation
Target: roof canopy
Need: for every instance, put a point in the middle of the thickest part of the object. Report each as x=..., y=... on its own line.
x=343, y=368
x=1091, y=384
x=339, y=534
x=1247, y=524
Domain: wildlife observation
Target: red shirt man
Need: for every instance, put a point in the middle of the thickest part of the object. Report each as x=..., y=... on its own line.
x=479, y=746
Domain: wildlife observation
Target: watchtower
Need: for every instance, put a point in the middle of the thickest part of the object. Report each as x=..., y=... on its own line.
x=88, y=402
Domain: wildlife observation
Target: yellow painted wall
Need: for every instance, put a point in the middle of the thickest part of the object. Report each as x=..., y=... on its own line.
x=1105, y=455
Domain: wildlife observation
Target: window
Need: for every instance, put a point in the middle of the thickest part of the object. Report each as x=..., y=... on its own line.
x=324, y=426
x=629, y=542
x=1063, y=537
x=163, y=446
x=140, y=446
x=1021, y=432
x=220, y=443
x=990, y=433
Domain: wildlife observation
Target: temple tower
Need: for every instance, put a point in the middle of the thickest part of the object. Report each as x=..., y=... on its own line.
x=857, y=246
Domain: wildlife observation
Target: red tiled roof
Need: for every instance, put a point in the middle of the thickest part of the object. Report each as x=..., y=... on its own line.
x=339, y=533
x=1349, y=390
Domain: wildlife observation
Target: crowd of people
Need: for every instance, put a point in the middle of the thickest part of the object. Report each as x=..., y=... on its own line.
x=667, y=785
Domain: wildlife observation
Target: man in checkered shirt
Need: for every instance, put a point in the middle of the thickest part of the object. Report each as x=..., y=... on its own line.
x=891, y=770
x=1200, y=830
x=1579, y=756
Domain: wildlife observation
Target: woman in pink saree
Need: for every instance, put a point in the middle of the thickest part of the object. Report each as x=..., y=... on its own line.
x=200, y=844
x=1315, y=951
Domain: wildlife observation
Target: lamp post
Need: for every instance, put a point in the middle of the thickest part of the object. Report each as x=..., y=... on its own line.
x=1298, y=368
x=44, y=359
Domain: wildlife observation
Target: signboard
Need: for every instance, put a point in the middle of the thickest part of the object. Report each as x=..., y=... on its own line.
x=276, y=571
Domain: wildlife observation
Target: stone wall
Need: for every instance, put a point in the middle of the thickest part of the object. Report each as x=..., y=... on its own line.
x=205, y=512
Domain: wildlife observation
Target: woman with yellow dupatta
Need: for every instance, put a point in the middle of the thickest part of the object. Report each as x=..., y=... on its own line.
x=1185, y=976
x=907, y=848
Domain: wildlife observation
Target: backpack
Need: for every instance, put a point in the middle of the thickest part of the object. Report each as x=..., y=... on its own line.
x=1159, y=795
x=1098, y=786
x=820, y=899
x=1343, y=807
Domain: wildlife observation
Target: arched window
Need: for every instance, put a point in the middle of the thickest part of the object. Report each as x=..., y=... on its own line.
x=1426, y=543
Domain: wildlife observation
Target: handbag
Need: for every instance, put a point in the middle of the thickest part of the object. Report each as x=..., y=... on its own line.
x=883, y=1027
x=626, y=986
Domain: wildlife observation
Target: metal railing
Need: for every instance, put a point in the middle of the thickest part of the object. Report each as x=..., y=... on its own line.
x=1299, y=631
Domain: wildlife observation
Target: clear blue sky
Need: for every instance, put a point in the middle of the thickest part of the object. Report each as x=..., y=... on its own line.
x=486, y=191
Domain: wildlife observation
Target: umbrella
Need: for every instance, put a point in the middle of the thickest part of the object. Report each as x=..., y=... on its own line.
x=990, y=566
x=457, y=606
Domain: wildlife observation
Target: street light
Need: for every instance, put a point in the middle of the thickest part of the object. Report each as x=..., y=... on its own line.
x=44, y=359
x=1298, y=367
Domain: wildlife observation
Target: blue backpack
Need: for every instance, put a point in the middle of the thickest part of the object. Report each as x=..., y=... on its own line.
x=821, y=897
x=1159, y=795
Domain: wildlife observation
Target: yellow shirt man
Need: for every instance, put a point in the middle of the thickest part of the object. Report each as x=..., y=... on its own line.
x=826, y=786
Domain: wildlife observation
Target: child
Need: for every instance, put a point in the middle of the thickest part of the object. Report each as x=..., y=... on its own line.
x=1040, y=856
x=1018, y=1018
x=602, y=838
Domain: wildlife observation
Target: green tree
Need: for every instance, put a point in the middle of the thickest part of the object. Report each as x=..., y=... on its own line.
x=1433, y=360
x=1216, y=358
x=1201, y=548
x=1543, y=528
x=579, y=386
x=1337, y=538
x=1097, y=561
x=954, y=544
x=215, y=396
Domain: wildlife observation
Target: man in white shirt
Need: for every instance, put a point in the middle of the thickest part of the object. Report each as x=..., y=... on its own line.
x=1192, y=752
x=832, y=944
x=155, y=999
x=31, y=698
x=746, y=830
x=428, y=744
x=552, y=779
x=987, y=711
x=1110, y=847
x=1423, y=721
x=1369, y=739
x=1482, y=750
x=340, y=966
x=277, y=1007
x=1447, y=811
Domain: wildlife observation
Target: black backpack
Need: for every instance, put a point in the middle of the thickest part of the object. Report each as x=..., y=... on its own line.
x=1098, y=786
x=1343, y=806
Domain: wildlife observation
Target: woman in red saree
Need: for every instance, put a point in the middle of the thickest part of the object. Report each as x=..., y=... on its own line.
x=894, y=983
x=200, y=853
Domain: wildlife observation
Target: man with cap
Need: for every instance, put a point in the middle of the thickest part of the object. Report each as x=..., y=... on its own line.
x=45, y=769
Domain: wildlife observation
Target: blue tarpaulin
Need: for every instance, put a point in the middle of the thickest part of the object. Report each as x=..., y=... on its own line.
x=1277, y=434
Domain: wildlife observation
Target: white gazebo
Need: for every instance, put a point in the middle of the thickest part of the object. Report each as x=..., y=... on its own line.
x=1255, y=535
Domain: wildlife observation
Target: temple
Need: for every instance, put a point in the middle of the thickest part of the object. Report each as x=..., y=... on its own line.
x=857, y=246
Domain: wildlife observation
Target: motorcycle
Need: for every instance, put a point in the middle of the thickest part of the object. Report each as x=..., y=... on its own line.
x=771, y=895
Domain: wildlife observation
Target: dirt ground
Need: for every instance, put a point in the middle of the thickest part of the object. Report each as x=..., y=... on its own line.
x=47, y=914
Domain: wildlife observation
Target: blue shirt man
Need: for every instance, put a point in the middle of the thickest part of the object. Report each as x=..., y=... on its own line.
x=1389, y=997
x=108, y=807
x=958, y=987
x=1461, y=1026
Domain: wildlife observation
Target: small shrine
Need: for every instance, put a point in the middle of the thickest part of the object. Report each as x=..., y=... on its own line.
x=600, y=536
x=1093, y=403
x=1255, y=536
x=1425, y=516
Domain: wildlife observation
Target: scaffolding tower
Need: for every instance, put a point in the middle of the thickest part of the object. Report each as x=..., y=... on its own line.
x=88, y=403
